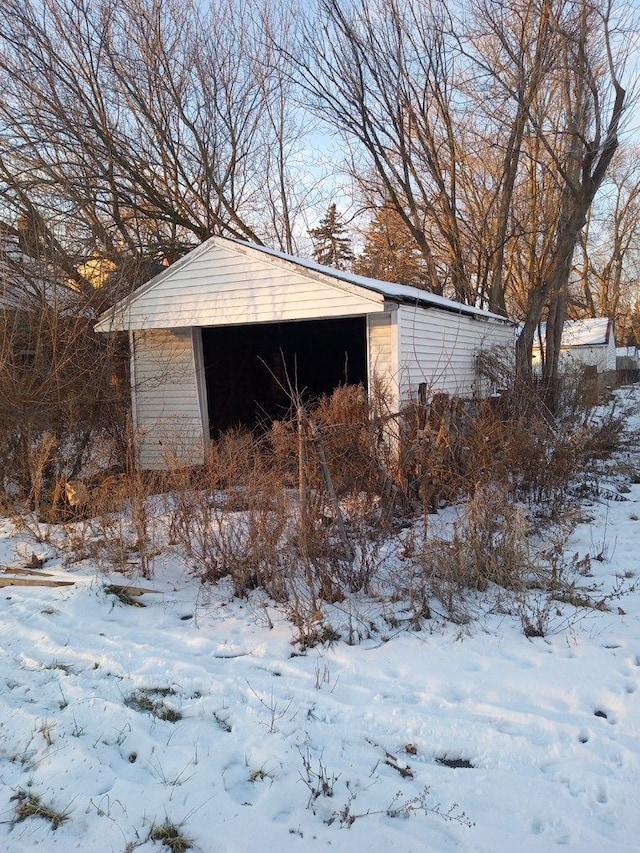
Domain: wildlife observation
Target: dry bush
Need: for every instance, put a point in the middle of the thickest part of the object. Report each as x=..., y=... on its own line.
x=490, y=540
x=351, y=431
x=497, y=457
x=118, y=523
x=488, y=545
x=531, y=455
x=241, y=517
x=247, y=517
x=432, y=452
x=115, y=515
x=230, y=517
x=450, y=448
x=63, y=395
x=581, y=389
x=310, y=513
x=343, y=425
x=603, y=433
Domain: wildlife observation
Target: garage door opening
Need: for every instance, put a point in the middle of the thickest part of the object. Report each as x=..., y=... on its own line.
x=248, y=368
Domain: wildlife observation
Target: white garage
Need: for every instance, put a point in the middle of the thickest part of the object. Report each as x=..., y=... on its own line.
x=217, y=338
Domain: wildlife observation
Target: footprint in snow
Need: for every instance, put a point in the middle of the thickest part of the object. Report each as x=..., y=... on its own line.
x=604, y=716
x=537, y=827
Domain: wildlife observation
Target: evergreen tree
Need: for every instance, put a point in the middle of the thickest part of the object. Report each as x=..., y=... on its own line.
x=331, y=246
x=390, y=253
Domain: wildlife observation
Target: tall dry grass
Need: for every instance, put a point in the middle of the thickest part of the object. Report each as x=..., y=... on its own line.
x=339, y=501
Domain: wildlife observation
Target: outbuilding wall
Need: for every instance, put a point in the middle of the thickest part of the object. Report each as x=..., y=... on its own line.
x=601, y=356
x=406, y=346
x=440, y=348
x=168, y=410
x=412, y=337
x=382, y=347
x=221, y=286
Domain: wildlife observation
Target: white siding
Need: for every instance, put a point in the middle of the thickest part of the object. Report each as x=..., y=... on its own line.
x=382, y=332
x=439, y=348
x=589, y=342
x=627, y=358
x=222, y=286
x=168, y=413
x=601, y=356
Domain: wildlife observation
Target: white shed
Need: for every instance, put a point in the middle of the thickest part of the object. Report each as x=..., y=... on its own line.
x=585, y=343
x=216, y=338
x=627, y=358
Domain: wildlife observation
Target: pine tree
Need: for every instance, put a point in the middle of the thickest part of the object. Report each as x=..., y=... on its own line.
x=390, y=252
x=331, y=247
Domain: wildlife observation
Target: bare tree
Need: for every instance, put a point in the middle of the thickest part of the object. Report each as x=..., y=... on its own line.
x=145, y=125
x=489, y=136
x=381, y=74
x=578, y=136
x=62, y=387
x=608, y=267
x=131, y=130
x=511, y=50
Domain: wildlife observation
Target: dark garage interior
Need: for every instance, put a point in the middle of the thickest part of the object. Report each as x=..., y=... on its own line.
x=248, y=369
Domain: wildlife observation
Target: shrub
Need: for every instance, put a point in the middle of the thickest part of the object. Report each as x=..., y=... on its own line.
x=311, y=512
x=64, y=396
x=231, y=515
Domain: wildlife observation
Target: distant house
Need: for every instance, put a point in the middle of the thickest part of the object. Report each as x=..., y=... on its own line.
x=627, y=358
x=218, y=339
x=26, y=284
x=32, y=300
x=585, y=343
x=627, y=365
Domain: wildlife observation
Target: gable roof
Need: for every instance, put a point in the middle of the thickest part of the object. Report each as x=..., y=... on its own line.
x=394, y=291
x=365, y=294
x=589, y=332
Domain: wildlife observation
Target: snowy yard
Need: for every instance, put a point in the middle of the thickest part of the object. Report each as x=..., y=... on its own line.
x=197, y=713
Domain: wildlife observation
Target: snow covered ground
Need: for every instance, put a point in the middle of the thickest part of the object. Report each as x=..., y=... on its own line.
x=469, y=738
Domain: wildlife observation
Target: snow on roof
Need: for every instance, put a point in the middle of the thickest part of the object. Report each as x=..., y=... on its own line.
x=390, y=290
x=578, y=333
x=592, y=331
